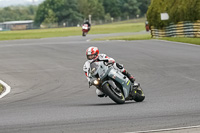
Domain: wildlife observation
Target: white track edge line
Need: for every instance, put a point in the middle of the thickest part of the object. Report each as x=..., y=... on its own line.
x=7, y=87
x=168, y=129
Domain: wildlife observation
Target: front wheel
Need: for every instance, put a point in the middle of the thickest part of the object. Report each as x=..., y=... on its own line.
x=116, y=95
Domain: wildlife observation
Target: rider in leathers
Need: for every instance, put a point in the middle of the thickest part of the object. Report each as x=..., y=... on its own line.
x=88, y=23
x=92, y=54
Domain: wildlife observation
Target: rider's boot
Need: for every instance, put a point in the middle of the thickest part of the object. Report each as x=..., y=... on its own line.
x=131, y=78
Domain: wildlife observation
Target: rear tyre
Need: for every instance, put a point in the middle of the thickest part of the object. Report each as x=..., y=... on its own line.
x=139, y=95
x=115, y=95
x=84, y=34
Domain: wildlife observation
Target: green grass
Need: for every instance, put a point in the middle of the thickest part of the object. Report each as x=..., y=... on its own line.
x=117, y=28
x=70, y=31
x=1, y=88
x=39, y=33
x=128, y=38
x=182, y=39
x=148, y=36
x=134, y=25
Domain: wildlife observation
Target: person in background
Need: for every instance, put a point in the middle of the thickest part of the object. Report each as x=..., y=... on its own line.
x=88, y=23
x=147, y=25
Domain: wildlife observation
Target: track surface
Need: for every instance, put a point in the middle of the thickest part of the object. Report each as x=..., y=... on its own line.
x=50, y=93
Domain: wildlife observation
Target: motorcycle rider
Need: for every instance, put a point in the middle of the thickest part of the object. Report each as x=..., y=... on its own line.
x=92, y=54
x=88, y=23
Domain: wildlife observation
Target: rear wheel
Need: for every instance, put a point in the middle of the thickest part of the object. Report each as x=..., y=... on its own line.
x=115, y=94
x=84, y=33
x=139, y=95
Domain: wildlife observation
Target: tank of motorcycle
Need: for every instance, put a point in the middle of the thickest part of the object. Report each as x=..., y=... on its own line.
x=120, y=78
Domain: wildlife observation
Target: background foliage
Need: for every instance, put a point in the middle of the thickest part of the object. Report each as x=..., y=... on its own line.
x=72, y=12
x=15, y=13
x=178, y=10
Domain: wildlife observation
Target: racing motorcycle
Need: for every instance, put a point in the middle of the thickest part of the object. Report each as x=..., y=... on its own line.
x=113, y=83
x=85, y=29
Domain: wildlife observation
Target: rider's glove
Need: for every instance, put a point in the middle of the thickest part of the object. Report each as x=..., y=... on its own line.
x=106, y=62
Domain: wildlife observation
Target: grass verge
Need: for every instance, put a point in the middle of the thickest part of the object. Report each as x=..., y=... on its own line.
x=182, y=39
x=71, y=31
x=148, y=36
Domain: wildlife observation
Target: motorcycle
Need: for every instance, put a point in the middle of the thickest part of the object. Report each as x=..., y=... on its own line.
x=147, y=27
x=113, y=83
x=85, y=29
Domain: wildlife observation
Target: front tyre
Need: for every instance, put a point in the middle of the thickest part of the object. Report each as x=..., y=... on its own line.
x=114, y=94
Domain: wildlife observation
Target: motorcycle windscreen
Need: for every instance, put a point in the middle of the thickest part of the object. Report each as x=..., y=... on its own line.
x=94, y=67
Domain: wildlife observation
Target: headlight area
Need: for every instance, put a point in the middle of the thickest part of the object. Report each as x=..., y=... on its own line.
x=96, y=82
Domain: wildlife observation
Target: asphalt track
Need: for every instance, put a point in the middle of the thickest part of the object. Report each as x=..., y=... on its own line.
x=50, y=93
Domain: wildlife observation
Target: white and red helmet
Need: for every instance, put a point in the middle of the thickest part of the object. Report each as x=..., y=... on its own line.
x=92, y=53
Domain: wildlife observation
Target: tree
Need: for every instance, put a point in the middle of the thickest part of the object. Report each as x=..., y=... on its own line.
x=107, y=17
x=129, y=8
x=69, y=13
x=14, y=13
x=157, y=7
x=65, y=11
x=91, y=7
x=197, y=10
x=50, y=18
x=143, y=6
x=44, y=8
x=112, y=7
x=178, y=10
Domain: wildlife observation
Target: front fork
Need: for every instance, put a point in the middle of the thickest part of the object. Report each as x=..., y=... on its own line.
x=112, y=83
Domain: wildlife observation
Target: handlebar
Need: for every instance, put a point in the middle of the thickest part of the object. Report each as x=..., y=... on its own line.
x=106, y=62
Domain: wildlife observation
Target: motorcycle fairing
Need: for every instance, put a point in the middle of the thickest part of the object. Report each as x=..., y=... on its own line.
x=124, y=81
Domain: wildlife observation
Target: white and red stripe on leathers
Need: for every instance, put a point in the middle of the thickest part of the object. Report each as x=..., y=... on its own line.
x=86, y=66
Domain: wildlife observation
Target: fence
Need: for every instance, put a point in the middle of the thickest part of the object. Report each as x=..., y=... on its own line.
x=182, y=29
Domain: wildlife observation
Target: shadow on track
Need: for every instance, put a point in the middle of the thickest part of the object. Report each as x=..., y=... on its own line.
x=104, y=104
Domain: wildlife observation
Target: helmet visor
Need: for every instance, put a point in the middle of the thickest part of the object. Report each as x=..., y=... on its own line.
x=90, y=57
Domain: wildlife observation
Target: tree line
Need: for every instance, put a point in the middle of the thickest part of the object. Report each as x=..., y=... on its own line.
x=75, y=11
x=14, y=13
x=178, y=10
